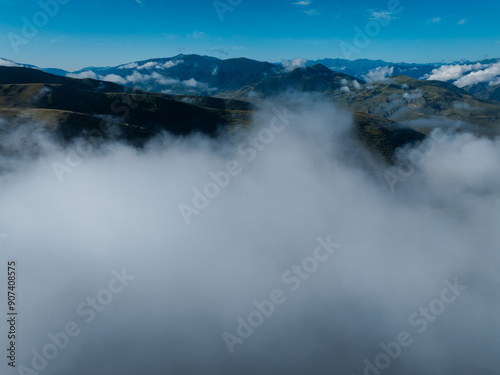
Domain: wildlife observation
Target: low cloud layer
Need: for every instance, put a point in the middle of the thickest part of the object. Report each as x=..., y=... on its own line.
x=380, y=74
x=145, y=73
x=405, y=233
x=467, y=74
x=92, y=75
x=152, y=65
x=291, y=65
x=4, y=62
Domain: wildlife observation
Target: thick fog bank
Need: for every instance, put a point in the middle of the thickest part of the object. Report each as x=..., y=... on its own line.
x=279, y=250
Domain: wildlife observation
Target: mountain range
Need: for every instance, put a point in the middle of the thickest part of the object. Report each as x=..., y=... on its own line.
x=191, y=93
x=207, y=75
x=71, y=108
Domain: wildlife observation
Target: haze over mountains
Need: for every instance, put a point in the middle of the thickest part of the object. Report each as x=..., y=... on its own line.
x=210, y=181
x=93, y=174
x=411, y=93
x=197, y=74
x=203, y=187
x=71, y=108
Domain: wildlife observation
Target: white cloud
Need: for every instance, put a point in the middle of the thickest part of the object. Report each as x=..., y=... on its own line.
x=495, y=82
x=306, y=3
x=383, y=14
x=379, y=74
x=190, y=83
x=83, y=75
x=451, y=72
x=193, y=282
x=152, y=65
x=356, y=84
x=489, y=75
x=290, y=65
x=436, y=20
x=462, y=21
x=171, y=64
x=129, y=66
x=415, y=95
x=137, y=77
x=8, y=63
x=345, y=89
x=148, y=65
x=164, y=80
x=115, y=79
x=312, y=12
x=467, y=74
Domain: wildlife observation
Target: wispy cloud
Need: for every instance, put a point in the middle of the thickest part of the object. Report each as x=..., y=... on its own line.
x=311, y=12
x=306, y=3
x=436, y=20
x=196, y=34
x=462, y=21
x=374, y=15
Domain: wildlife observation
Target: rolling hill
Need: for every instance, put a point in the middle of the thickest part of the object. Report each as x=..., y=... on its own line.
x=398, y=98
x=71, y=107
x=406, y=99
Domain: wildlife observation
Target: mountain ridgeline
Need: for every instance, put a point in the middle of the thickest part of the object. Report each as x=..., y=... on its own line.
x=71, y=108
x=394, y=91
x=190, y=93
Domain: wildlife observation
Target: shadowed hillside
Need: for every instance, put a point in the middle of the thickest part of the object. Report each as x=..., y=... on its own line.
x=72, y=107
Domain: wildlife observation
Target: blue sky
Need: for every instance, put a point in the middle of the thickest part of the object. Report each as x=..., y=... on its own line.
x=111, y=32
